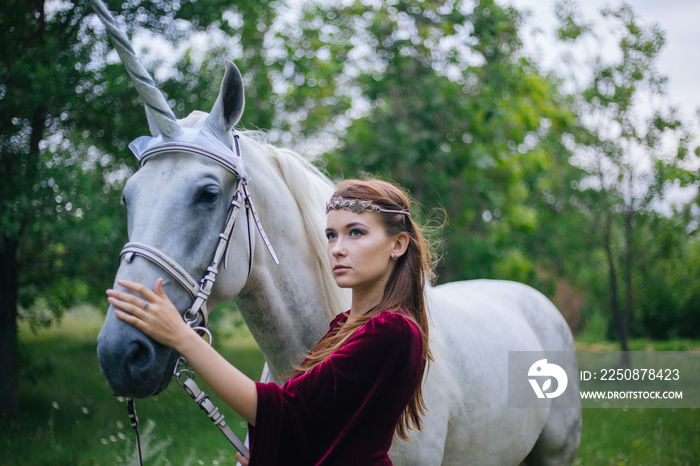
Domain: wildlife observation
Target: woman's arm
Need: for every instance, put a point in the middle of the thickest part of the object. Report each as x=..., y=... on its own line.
x=162, y=322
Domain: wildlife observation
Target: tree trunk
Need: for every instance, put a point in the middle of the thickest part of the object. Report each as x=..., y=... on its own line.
x=614, y=299
x=629, y=290
x=9, y=275
x=629, y=258
x=9, y=284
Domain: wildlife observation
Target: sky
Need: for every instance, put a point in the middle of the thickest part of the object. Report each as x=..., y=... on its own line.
x=679, y=59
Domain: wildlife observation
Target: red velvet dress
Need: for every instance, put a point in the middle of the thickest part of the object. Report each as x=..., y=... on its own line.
x=344, y=411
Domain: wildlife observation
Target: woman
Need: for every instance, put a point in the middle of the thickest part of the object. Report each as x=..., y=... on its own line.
x=361, y=384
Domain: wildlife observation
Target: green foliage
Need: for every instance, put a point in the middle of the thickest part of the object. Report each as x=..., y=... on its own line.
x=668, y=296
x=632, y=157
x=463, y=128
x=596, y=329
x=570, y=25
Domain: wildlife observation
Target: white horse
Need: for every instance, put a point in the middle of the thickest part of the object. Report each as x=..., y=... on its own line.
x=177, y=203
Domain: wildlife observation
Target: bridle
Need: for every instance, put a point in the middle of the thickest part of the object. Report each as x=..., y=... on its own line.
x=197, y=315
x=200, y=291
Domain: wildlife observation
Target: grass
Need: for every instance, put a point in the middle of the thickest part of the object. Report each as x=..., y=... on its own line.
x=69, y=416
x=639, y=436
x=662, y=437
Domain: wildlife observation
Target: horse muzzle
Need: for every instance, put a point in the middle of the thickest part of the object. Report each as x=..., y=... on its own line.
x=134, y=364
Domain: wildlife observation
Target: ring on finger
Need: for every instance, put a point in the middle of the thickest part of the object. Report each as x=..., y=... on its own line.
x=145, y=304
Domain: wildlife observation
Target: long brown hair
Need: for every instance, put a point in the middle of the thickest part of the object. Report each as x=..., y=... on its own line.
x=404, y=290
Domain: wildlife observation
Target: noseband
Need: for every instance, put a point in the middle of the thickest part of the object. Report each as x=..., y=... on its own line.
x=200, y=291
x=197, y=315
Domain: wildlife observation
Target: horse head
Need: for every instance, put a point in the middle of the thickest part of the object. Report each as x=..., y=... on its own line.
x=177, y=204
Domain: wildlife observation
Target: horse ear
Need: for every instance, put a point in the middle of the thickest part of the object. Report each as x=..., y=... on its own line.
x=228, y=107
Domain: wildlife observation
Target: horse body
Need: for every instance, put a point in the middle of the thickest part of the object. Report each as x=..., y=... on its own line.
x=475, y=324
x=177, y=203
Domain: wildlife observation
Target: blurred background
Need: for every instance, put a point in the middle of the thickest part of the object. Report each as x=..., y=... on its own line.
x=557, y=141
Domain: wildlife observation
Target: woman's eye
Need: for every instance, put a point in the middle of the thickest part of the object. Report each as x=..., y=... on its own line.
x=356, y=232
x=209, y=195
x=330, y=236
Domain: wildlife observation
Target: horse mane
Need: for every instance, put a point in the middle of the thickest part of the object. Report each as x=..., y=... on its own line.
x=310, y=189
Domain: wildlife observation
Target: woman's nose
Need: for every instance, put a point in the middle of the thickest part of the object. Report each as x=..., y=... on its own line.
x=338, y=249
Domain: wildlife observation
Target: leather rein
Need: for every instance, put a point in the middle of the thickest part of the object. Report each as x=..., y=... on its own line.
x=197, y=315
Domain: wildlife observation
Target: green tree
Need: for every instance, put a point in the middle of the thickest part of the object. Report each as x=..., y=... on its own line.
x=38, y=167
x=668, y=289
x=632, y=153
x=451, y=109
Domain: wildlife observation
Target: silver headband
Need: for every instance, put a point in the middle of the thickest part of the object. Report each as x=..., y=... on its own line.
x=359, y=206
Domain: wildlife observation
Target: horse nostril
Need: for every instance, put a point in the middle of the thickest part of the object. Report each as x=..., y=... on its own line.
x=139, y=359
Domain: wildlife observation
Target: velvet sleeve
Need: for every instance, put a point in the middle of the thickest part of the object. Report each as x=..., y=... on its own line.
x=359, y=388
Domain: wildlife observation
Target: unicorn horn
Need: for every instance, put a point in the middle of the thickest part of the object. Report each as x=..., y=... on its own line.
x=161, y=118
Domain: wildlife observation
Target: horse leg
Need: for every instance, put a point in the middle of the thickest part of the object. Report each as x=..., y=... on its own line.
x=559, y=441
x=561, y=436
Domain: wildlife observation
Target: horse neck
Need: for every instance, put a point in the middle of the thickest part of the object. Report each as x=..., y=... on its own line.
x=285, y=306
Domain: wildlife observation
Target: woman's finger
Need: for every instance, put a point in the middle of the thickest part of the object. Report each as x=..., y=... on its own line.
x=159, y=319
x=128, y=318
x=127, y=298
x=138, y=288
x=128, y=307
x=158, y=288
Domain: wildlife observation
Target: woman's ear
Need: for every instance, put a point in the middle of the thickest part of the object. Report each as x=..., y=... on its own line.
x=400, y=244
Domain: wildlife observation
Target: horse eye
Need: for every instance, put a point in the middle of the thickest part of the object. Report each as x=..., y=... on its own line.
x=209, y=194
x=123, y=200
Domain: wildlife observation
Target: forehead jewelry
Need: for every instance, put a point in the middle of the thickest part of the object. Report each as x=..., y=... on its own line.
x=359, y=206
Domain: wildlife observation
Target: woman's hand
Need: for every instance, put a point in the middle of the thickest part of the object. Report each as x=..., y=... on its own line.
x=153, y=313
x=241, y=459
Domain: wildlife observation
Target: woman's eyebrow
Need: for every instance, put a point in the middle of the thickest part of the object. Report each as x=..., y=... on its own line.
x=355, y=224
x=348, y=226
